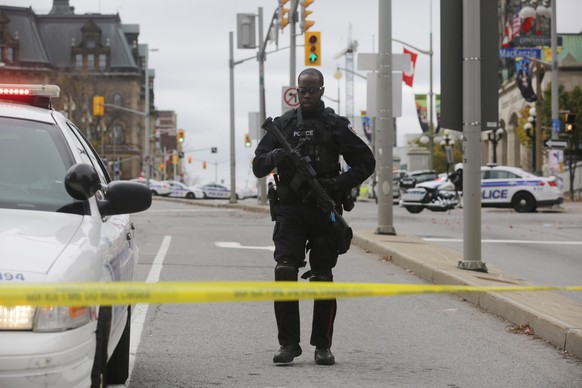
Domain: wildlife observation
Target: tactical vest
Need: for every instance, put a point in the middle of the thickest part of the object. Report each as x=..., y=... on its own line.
x=314, y=139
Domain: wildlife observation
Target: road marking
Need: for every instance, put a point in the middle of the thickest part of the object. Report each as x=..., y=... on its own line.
x=140, y=311
x=205, y=209
x=237, y=245
x=529, y=242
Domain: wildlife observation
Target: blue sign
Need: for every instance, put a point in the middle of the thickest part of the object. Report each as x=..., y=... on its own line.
x=556, y=125
x=517, y=52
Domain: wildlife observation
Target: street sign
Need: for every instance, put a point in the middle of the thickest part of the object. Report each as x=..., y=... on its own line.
x=290, y=98
x=521, y=52
x=556, y=125
x=553, y=143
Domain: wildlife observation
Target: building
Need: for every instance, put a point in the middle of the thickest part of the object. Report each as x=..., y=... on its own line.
x=86, y=55
x=523, y=82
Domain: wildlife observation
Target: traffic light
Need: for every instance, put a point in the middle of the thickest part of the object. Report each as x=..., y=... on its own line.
x=180, y=136
x=189, y=159
x=247, y=140
x=175, y=159
x=312, y=49
x=98, y=105
x=204, y=164
x=282, y=20
x=306, y=24
x=569, y=126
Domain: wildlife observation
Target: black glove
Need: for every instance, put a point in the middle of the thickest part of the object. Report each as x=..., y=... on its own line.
x=277, y=156
x=329, y=184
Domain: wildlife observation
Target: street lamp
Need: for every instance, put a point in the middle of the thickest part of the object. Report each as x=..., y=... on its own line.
x=338, y=75
x=531, y=133
x=495, y=137
x=430, y=53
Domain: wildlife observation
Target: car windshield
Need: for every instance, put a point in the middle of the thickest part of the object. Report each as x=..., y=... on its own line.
x=33, y=163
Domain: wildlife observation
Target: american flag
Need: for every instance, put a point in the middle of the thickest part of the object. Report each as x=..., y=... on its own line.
x=516, y=25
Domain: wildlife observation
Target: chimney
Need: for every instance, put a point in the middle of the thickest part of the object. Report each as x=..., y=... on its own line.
x=61, y=7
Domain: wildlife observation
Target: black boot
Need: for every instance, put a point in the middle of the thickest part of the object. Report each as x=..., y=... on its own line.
x=323, y=356
x=287, y=353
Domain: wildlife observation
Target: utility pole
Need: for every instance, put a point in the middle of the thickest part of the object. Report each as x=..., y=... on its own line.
x=385, y=124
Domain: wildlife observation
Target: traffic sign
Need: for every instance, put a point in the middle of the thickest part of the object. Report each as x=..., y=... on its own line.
x=553, y=143
x=290, y=98
x=556, y=125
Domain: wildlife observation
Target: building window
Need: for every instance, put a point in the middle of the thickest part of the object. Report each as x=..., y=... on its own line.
x=91, y=44
x=79, y=61
x=117, y=99
x=90, y=61
x=102, y=61
x=118, y=134
x=10, y=54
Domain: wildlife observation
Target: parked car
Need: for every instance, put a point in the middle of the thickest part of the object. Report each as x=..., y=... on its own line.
x=215, y=191
x=62, y=219
x=512, y=187
x=412, y=178
x=180, y=190
x=161, y=188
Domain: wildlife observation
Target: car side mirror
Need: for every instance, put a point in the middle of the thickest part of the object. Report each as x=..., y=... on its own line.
x=122, y=197
x=82, y=181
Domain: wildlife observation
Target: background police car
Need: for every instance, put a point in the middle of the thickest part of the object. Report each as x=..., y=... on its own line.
x=512, y=187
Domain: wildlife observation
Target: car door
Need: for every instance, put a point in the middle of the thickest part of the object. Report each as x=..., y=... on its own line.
x=498, y=186
x=113, y=237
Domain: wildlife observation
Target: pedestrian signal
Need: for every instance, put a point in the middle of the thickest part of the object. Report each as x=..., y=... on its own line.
x=247, y=140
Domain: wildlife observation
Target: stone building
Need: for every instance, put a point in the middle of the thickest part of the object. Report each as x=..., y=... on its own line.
x=86, y=55
x=515, y=148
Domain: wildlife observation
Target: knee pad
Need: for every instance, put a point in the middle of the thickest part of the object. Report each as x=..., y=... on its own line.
x=321, y=276
x=286, y=271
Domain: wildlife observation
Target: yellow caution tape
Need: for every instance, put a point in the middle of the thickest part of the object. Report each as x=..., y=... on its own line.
x=82, y=294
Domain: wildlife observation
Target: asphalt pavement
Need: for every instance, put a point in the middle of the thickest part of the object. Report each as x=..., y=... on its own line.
x=552, y=317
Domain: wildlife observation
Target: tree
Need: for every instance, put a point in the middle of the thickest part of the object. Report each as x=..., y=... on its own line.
x=571, y=102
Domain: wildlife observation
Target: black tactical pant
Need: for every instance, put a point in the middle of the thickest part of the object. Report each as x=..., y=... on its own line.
x=299, y=227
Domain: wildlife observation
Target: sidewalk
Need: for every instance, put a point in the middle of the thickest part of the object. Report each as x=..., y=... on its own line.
x=553, y=317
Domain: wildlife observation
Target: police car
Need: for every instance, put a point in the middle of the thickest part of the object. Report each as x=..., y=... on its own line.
x=62, y=219
x=512, y=187
x=180, y=190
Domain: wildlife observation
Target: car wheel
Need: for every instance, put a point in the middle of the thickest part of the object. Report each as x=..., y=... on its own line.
x=204, y=196
x=154, y=192
x=99, y=371
x=190, y=195
x=523, y=202
x=118, y=366
x=414, y=209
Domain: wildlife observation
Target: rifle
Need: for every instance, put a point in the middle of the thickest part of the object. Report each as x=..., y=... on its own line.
x=342, y=232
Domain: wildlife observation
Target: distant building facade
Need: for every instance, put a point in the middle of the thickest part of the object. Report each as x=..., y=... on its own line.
x=86, y=55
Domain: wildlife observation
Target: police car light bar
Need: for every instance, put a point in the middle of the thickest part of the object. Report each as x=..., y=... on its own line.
x=50, y=91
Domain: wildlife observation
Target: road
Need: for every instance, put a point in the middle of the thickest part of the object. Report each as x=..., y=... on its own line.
x=405, y=341
x=542, y=247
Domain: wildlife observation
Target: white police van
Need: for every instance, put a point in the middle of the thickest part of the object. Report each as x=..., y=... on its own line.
x=512, y=187
x=62, y=219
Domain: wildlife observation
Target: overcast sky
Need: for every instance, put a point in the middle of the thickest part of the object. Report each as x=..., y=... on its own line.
x=192, y=73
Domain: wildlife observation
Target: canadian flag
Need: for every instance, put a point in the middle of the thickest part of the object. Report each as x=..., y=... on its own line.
x=408, y=76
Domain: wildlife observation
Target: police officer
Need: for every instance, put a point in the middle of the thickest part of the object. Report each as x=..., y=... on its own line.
x=300, y=227
x=456, y=178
